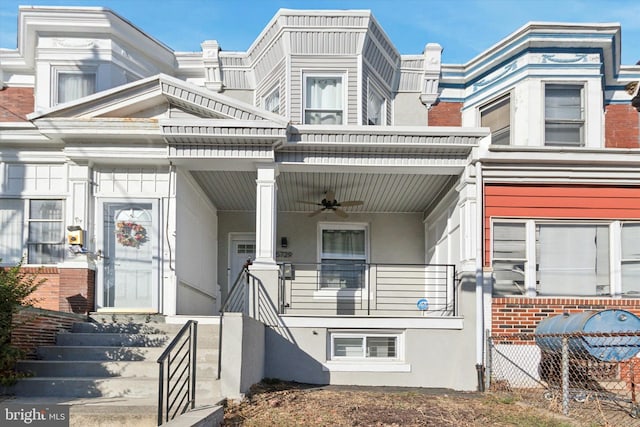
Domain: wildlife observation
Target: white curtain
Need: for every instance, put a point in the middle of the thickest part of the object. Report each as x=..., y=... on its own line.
x=11, y=224
x=343, y=244
x=324, y=93
x=573, y=259
x=73, y=86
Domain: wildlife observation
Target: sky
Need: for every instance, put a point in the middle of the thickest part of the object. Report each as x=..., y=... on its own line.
x=464, y=28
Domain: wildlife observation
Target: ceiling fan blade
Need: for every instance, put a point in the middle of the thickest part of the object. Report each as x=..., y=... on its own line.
x=340, y=213
x=351, y=203
x=316, y=212
x=309, y=203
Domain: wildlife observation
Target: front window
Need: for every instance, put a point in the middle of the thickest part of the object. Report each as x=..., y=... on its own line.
x=364, y=346
x=271, y=102
x=343, y=258
x=376, y=110
x=630, y=258
x=564, y=115
x=75, y=85
x=497, y=117
x=324, y=100
x=554, y=258
x=44, y=231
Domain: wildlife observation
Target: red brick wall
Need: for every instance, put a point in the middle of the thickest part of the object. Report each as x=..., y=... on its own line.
x=15, y=104
x=446, y=114
x=622, y=126
x=520, y=315
x=70, y=290
x=77, y=290
x=36, y=327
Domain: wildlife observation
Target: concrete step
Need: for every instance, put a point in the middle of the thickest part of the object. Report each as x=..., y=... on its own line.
x=88, y=387
x=87, y=353
x=112, y=339
x=141, y=328
x=83, y=368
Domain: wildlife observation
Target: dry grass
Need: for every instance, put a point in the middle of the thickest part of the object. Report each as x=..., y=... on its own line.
x=293, y=404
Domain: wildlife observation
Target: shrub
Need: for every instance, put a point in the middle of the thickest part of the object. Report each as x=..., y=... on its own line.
x=16, y=288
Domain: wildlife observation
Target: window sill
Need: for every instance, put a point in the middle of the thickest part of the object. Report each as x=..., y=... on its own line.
x=365, y=365
x=337, y=293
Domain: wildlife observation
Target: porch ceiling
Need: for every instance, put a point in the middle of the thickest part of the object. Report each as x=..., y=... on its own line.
x=236, y=191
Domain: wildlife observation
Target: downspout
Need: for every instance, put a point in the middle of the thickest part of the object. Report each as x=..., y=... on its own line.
x=479, y=278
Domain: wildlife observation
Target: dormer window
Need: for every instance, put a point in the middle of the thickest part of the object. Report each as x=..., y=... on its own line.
x=271, y=102
x=564, y=115
x=497, y=117
x=324, y=100
x=72, y=85
x=376, y=108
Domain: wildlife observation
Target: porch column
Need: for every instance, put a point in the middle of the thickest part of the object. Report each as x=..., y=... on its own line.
x=264, y=266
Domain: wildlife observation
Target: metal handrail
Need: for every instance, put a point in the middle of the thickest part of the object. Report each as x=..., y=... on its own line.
x=182, y=374
x=371, y=288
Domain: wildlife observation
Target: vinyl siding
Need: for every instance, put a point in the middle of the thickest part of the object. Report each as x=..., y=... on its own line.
x=558, y=202
x=330, y=64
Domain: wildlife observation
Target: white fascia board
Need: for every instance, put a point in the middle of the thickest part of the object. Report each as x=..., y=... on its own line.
x=32, y=155
x=565, y=155
x=20, y=132
x=33, y=20
x=393, y=130
x=105, y=127
x=605, y=36
x=222, y=123
x=456, y=323
x=119, y=154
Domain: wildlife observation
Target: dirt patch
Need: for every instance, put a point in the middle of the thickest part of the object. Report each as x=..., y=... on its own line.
x=293, y=404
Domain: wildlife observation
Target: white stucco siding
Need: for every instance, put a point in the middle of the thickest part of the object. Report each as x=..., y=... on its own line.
x=196, y=249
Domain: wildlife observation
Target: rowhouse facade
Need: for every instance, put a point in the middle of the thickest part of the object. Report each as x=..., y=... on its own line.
x=390, y=205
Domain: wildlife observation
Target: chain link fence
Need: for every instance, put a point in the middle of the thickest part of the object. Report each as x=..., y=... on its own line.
x=591, y=377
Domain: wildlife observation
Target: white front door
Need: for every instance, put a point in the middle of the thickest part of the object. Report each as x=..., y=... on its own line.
x=129, y=273
x=242, y=249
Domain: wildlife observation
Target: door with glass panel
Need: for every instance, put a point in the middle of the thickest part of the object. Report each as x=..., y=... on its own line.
x=129, y=255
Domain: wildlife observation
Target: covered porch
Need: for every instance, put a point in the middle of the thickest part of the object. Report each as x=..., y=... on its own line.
x=385, y=251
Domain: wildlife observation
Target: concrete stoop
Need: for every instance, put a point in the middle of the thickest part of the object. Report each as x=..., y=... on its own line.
x=106, y=370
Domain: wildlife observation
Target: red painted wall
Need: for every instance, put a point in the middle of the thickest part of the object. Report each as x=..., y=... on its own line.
x=557, y=201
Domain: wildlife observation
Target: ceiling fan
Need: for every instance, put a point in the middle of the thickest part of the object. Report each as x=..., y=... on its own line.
x=329, y=203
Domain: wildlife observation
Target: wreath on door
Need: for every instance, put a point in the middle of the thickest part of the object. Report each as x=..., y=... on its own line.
x=130, y=234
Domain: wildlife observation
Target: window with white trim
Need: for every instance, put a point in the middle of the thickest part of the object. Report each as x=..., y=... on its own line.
x=377, y=346
x=343, y=256
x=35, y=225
x=562, y=258
x=630, y=258
x=497, y=116
x=376, y=107
x=72, y=85
x=564, y=115
x=323, y=99
x=271, y=102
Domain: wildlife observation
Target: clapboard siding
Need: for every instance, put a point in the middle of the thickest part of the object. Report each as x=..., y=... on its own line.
x=561, y=202
x=329, y=64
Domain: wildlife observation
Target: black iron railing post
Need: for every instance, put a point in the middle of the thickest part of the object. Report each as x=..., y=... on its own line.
x=183, y=374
